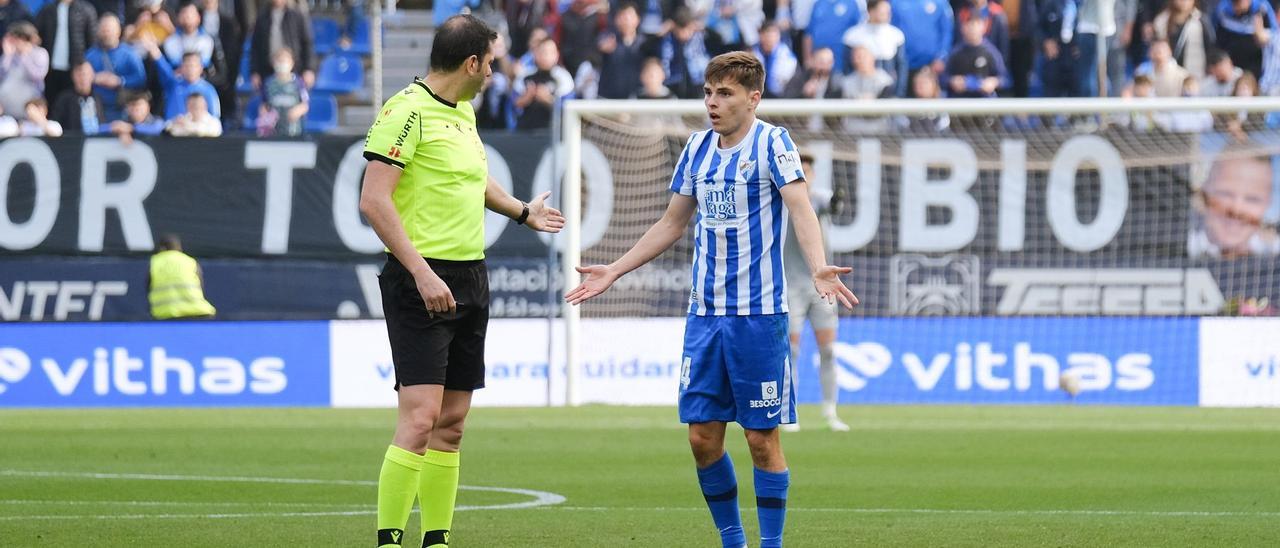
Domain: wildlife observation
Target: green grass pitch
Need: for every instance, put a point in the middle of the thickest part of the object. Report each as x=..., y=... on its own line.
x=905, y=476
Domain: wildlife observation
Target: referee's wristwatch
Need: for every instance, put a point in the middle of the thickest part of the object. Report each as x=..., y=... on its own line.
x=524, y=215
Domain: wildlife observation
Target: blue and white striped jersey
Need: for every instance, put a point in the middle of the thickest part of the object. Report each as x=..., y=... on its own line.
x=737, y=261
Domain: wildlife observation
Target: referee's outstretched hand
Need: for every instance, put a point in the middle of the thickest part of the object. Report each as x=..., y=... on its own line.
x=542, y=217
x=599, y=278
x=827, y=281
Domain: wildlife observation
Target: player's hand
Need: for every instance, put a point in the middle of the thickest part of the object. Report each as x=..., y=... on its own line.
x=827, y=282
x=435, y=293
x=599, y=278
x=543, y=217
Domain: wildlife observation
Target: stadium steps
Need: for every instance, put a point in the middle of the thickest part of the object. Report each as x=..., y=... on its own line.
x=406, y=48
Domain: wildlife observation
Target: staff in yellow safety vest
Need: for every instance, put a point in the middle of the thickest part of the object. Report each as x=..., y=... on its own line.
x=175, y=284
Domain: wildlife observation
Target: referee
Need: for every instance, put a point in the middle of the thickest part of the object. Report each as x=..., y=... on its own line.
x=425, y=191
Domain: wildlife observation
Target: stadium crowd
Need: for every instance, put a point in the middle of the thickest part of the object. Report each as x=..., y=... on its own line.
x=147, y=67
x=868, y=49
x=185, y=67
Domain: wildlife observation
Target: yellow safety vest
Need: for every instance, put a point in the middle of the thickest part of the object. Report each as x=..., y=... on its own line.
x=175, y=287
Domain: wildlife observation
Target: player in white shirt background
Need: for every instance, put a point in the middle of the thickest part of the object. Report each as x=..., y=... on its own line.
x=736, y=177
x=804, y=303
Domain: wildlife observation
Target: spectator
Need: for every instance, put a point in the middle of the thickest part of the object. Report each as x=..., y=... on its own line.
x=1189, y=121
x=975, y=67
x=23, y=66
x=883, y=41
x=924, y=85
x=827, y=25
x=151, y=23
x=66, y=30
x=523, y=18
x=9, y=126
x=137, y=119
x=996, y=24
x=284, y=99
x=444, y=9
x=1057, y=67
x=1093, y=20
x=189, y=79
x=80, y=109
x=734, y=24
x=492, y=105
x=867, y=81
x=1244, y=28
x=1023, y=43
x=793, y=17
x=622, y=51
x=37, y=122
x=189, y=38
x=280, y=26
x=1222, y=77
x=12, y=11
x=525, y=65
x=779, y=61
x=1246, y=87
x=1166, y=76
x=927, y=27
x=197, y=121
x=228, y=45
x=684, y=56
x=117, y=67
x=816, y=81
x=651, y=81
x=1188, y=32
x=1118, y=45
x=542, y=89
x=579, y=32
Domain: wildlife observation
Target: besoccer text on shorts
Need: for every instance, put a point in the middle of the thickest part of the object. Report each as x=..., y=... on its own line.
x=425, y=192
x=737, y=178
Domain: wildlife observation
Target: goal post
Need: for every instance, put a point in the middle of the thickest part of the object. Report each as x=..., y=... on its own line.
x=1018, y=149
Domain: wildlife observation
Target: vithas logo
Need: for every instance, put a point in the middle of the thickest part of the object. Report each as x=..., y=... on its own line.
x=117, y=371
x=1266, y=369
x=14, y=366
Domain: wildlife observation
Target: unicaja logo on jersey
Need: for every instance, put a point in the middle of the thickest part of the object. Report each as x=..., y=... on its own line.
x=768, y=395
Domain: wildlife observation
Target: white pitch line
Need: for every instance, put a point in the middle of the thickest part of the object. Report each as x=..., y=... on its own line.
x=1152, y=513
x=539, y=498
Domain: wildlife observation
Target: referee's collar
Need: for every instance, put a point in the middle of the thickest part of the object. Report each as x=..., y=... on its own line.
x=433, y=94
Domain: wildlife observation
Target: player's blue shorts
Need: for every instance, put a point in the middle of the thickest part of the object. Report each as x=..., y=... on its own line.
x=737, y=368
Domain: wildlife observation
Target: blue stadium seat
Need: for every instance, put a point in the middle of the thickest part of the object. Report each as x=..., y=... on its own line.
x=359, y=38
x=340, y=72
x=34, y=6
x=323, y=115
x=326, y=32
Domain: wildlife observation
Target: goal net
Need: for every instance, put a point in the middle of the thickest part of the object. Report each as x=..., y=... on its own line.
x=1004, y=251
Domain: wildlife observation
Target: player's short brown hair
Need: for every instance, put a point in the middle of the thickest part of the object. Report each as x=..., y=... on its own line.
x=738, y=67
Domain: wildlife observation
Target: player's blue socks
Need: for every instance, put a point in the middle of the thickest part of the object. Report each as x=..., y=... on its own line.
x=720, y=488
x=771, y=505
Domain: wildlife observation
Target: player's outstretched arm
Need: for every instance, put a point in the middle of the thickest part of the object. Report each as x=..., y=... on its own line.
x=542, y=217
x=826, y=278
x=670, y=228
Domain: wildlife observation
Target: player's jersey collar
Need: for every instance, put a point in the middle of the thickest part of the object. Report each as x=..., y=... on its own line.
x=433, y=95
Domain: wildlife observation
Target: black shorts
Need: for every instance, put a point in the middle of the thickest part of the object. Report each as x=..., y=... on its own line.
x=437, y=348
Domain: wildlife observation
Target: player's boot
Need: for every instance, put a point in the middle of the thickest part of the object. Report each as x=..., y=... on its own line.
x=833, y=420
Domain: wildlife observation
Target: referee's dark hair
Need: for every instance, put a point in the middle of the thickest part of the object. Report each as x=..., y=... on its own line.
x=457, y=39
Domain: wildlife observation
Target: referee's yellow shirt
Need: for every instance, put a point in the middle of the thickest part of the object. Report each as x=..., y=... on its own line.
x=440, y=196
